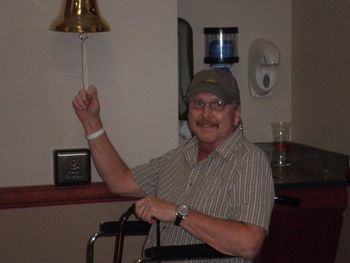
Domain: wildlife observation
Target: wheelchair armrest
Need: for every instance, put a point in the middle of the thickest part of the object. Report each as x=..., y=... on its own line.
x=201, y=251
x=196, y=251
x=112, y=228
x=131, y=228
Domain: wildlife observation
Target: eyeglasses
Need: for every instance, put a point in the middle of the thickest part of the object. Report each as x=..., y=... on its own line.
x=197, y=104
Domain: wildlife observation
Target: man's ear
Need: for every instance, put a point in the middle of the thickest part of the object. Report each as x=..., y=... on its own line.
x=237, y=115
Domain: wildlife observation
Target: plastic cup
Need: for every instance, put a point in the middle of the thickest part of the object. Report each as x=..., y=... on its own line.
x=281, y=143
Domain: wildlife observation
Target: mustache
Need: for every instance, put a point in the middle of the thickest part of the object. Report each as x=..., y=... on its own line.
x=207, y=122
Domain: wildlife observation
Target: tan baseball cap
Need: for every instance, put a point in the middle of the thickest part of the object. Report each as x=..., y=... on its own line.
x=219, y=82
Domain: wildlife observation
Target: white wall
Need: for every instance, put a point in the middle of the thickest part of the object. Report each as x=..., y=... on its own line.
x=255, y=19
x=321, y=61
x=59, y=234
x=320, y=101
x=134, y=67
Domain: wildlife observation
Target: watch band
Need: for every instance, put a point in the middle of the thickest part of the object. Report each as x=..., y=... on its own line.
x=180, y=214
x=178, y=219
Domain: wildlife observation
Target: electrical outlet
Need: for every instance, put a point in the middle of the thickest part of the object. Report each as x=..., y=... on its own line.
x=72, y=167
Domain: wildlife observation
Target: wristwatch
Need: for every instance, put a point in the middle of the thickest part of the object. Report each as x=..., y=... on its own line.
x=181, y=213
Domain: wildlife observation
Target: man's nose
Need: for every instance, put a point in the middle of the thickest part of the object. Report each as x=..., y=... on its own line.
x=206, y=110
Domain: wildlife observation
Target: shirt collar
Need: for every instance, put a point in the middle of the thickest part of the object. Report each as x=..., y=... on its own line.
x=230, y=145
x=224, y=150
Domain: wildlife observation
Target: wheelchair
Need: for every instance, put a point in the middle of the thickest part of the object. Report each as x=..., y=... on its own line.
x=121, y=228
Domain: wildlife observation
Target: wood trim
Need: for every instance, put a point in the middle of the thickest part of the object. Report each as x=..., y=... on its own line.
x=49, y=195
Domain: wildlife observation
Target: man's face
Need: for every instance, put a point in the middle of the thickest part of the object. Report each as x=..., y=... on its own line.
x=212, y=126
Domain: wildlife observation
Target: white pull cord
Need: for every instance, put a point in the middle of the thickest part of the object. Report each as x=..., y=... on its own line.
x=84, y=64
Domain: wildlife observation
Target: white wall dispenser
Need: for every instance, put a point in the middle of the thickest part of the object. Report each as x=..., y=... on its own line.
x=263, y=61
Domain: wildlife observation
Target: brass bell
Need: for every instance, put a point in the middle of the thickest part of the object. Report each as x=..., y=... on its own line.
x=80, y=16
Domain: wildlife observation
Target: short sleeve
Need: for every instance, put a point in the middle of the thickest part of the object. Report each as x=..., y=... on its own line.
x=146, y=176
x=253, y=191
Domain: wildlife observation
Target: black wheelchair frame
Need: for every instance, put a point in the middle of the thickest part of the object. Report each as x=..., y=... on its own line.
x=123, y=227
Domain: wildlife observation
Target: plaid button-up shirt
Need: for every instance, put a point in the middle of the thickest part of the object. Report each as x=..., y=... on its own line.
x=234, y=182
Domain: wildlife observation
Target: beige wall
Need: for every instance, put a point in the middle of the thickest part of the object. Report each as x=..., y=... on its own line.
x=134, y=67
x=321, y=62
x=320, y=81
x=59, y=234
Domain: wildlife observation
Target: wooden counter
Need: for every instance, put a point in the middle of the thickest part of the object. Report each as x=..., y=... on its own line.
x=49, y=195
x=308, y=233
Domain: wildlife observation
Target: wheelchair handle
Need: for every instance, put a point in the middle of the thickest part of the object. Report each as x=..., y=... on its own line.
x=287, y=200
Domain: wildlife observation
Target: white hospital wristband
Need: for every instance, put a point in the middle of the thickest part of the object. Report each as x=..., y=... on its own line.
x=94, y=135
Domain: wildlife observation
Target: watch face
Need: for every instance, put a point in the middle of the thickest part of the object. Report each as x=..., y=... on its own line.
x=182, y=210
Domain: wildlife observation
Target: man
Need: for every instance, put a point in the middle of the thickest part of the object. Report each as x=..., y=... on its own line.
x=216, y=189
